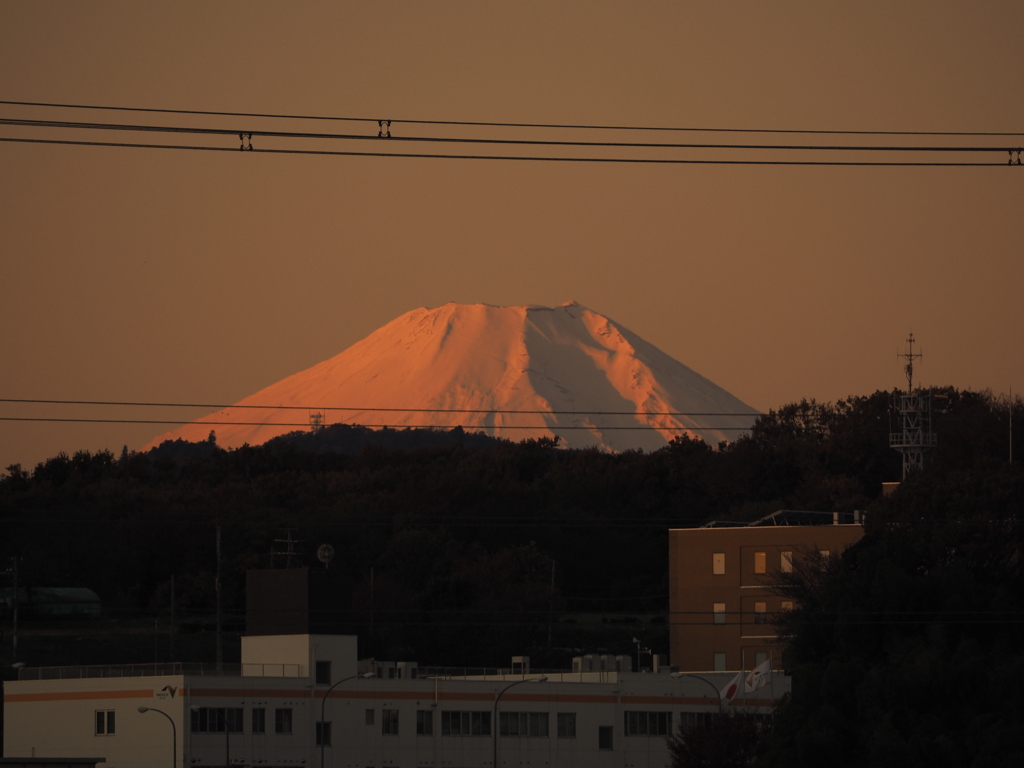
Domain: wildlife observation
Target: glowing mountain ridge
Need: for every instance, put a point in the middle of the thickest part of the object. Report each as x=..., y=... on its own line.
x=513, y=372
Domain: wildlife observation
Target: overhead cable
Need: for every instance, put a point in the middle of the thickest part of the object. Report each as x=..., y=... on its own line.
x=355, y=408
x=493, y=124
x=198, y=130
x=305, y=425
x=525, y=158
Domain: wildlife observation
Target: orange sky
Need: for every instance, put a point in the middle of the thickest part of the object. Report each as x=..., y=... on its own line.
x=156, y=275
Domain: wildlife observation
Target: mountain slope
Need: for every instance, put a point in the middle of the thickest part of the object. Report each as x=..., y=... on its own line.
x=528, y=371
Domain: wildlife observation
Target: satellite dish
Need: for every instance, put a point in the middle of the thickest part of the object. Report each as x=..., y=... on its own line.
x=325, y=553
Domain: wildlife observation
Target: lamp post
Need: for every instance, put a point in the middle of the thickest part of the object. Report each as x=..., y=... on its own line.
x=497, y=698
x=227, y=731
x=227, y=740
x=174, y=733
x=323, y=708
x=718, y=694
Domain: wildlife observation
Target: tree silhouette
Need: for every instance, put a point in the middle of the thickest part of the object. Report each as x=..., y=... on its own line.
x=733, y=739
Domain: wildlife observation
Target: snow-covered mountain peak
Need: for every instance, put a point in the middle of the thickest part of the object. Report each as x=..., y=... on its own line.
x=514, y=372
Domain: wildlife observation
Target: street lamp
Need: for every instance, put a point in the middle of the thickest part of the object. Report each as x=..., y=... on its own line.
x=227, y=731
x=174, y=733
x=497, y=698
x=718, y=694
x=323, y=708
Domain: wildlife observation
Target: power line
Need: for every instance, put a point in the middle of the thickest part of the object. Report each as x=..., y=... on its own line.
x=305, y=425
x=353, y=408
x=428, y=519
x=526, y=158
x=196, y=130
x=376, y=521
x=492, y=124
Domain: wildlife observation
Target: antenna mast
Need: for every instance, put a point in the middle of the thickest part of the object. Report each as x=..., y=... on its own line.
x=910, y=357
x=287, y=551
x=915, y=408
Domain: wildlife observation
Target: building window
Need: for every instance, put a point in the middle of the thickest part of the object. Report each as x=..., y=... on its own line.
x=259, y=720
x=217, y=719
x=523, y=724
x=323, y=673
x=369, y=717
x=104, y=722
x=566, y=725
x=605, y=737
x=389, y=722
x=719, y=613
x=465, y=723
x=323, y=734
x=825, y=555
x=719, y=662
x=424, y=722
x=690, y=721
x=283, y=721
x=786, y=605
x=718, y=563
x=760, y=562
x=787, y=562
x=760, y=613
x=648, y=723
x=760, y=658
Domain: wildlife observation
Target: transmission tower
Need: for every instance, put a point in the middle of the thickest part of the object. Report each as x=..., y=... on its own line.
x=915, y=407
x=316, y=421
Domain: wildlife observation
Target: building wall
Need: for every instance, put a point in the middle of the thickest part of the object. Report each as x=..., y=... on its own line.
x=287, y=601
x=741, y=635
x=56, y=717
x=296, y=655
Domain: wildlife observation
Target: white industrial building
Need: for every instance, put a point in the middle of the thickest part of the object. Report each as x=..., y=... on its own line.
x=267, y=712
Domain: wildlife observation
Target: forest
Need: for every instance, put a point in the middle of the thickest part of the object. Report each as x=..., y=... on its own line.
x=907, y=651
x=501, y=548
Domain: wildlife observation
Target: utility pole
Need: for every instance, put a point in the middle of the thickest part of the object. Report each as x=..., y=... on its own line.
x=220, y=648
x=172, y=619
x=14, y=629
x=551, y=605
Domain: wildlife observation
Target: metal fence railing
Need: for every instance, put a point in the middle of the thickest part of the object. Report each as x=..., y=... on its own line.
x=129, y=670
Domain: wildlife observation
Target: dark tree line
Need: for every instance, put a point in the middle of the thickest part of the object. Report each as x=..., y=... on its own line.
x=909, y=650
x=461, y=533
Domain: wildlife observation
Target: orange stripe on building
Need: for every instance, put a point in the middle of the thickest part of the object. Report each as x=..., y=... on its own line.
x=442, y=696
x=78, y=695
x=448, y=695
x=269, y=693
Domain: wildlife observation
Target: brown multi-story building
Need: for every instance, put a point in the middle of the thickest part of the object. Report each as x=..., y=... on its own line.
x=722, y=579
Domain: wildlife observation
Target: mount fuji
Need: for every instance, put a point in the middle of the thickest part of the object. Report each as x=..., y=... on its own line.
x=512, y=372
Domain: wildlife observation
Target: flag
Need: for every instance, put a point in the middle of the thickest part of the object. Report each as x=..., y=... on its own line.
x=759, y=677
x=730, y=691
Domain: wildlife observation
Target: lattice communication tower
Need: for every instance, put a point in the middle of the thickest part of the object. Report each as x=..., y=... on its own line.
x=316, y=421
x=915, y=407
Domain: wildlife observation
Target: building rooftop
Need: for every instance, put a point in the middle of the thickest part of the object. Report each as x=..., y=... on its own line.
x=793, y=517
